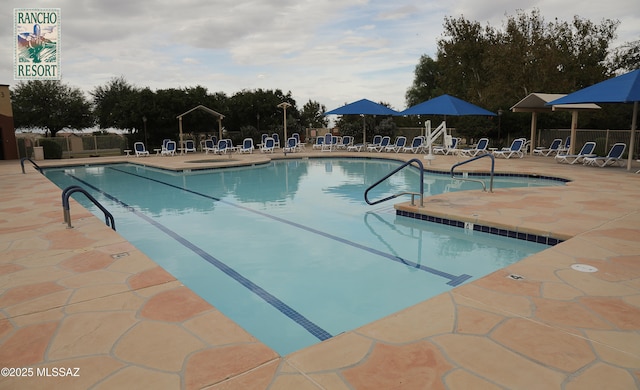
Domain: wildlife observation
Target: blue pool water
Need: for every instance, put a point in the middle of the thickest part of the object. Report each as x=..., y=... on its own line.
x=289, y=250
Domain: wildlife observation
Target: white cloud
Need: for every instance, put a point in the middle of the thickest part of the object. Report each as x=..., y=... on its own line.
x=330, y=51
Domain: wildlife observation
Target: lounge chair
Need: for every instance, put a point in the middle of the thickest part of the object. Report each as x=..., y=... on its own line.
x=209, y=146
x=318, y=144
x=586, y=151
x=276, y=140
x=416, y=145
x=355, y=147
x=291, y=146
x=514, y=150
x=223, y=147
x=268, y=145
x=613, y=158
x=169, y=149
x=345, y=142
x=384, y=142
x=327, y=144
x=247, y=146
x=377, y=139
x=299, y=145
x=140, y=150
x=450, y=146
x=400, y=143
x=564, y=149
x=189, y=146
x=552, y=149
x=481, y=148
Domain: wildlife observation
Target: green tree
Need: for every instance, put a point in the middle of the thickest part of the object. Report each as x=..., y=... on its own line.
x=627, y=57
x=118, y=104
x=51, y=105
x=425, y=83
x=312, y=115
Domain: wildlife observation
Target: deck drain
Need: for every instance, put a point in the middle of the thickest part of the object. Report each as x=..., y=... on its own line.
x=120, y=255
x=584, y=268
x=515, y=276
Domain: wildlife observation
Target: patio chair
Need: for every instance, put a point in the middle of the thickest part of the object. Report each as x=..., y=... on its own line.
x=291, y=146
x=247, y=146
x=299, y=145
x=377, y=139
x=481, y=148
x=209, y=146
x=564, y=149
x=384, y=142
x=613, y=158
x=140, y=149
x=450, y=146
x=169, y=149
x=346, y=141
x=416, y=145
x=327, y=144
x=276, y=140
x=223, y=147
x=586, y=151
x=189, y=146
x=401, y=141
x=318, y=144
x=516, y=149
x=552, y=149
x=268, y=145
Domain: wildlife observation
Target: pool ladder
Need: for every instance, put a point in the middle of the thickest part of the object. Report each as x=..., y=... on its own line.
x=36, y=166
x=66, y=193
x=413, y=194
x=484, y=186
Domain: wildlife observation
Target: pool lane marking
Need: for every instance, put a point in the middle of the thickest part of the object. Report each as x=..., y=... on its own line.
x=285, y=309
x=453, y=279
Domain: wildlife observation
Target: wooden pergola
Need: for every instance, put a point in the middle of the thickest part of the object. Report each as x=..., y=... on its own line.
x=206, y=109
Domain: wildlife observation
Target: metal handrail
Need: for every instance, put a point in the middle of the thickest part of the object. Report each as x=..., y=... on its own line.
x=413, y=194
x=32, y=162
x=484, y=186
x=66, y=193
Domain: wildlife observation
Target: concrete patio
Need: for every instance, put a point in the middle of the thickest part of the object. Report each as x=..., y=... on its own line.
x=86, y=298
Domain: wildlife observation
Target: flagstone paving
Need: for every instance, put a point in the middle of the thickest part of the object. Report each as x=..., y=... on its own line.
x=85, y=298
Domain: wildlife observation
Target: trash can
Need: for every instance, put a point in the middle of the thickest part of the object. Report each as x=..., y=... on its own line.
x=38, y=153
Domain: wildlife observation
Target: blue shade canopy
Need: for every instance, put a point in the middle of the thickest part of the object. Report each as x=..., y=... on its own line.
x=446, y=105
x=621, y=89
x=362, y=107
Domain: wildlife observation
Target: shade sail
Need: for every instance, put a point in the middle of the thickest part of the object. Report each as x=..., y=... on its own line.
x=446, y=105
x=621, y=89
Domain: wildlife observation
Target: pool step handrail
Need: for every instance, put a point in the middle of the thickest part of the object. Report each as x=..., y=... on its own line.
x=484, y=186
x=36, y=166
x=66, y=193
x=413, y=194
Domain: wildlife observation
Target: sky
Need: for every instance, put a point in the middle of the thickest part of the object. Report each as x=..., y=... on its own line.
x=329, y=51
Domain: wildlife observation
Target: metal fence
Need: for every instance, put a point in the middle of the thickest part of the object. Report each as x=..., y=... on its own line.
x=75, y=145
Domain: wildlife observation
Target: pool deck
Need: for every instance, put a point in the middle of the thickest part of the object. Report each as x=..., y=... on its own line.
x=86, y=298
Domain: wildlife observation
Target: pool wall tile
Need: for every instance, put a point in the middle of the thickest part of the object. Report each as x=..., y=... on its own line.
x=540, y=239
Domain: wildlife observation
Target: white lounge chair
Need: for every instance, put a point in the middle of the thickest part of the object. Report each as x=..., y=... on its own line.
x=209, y=146
x=169, y=149
x=400, y=143
x=318, y=144
x=613, y=158
x=291, y=146
x=450, y=146
x=384, y=142
x=516, y=149
x=140, y=150
x=247, y=146
x=481, y=148
x=586, y=151
x=416, y=145
x=345, y=142
x=327, y=144
x=553, y=148
x=268, y=145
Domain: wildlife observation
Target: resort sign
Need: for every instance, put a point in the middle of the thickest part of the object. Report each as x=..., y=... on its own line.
x=36, y=43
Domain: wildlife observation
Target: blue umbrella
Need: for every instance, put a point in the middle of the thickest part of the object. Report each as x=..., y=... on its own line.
x=446, y=105
x=363, y=107
x=621, y=89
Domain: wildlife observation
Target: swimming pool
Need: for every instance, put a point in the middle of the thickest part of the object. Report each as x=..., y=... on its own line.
x=289, y=250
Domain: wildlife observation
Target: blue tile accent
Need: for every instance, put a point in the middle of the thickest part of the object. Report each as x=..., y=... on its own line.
x=483, y=228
